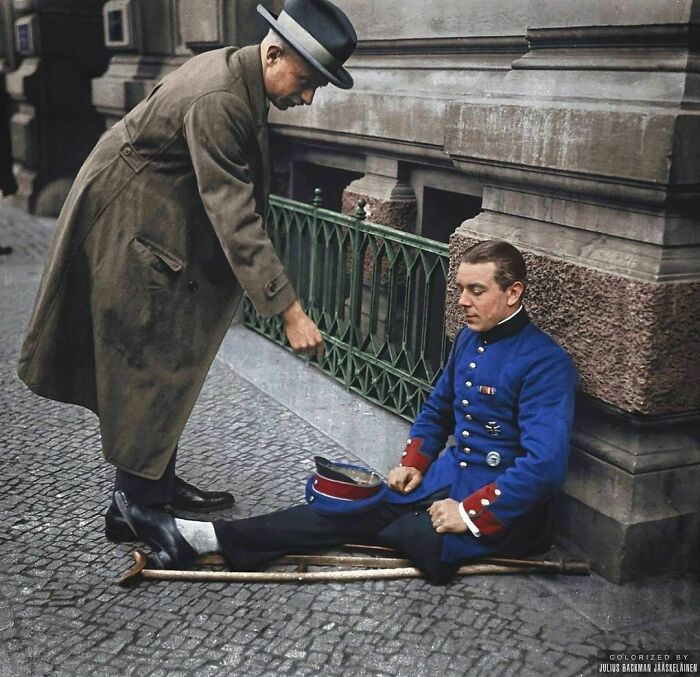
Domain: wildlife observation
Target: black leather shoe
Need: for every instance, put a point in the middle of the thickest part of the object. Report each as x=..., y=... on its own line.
x=188, y=497
x=116, y=528
x=159, y=531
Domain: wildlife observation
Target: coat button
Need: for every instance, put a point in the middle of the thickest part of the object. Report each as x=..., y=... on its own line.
x=193, y=285
x=465, y=403
x=472, y=365
x=467, y=450
x=465, y=433
x=472, y=513
x=462, y=464
x=485, y=502
x=127, y=150
x=480, y=349
x=468, y=417
x=409, y=440
x=468, y=384
x=497, y=492
x=405, y=453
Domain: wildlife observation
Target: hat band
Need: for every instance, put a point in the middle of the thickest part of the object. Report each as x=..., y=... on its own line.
x=308, y=42
x=343, y=491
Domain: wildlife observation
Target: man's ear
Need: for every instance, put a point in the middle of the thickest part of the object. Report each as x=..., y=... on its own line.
x=515, y=292
x=274, y=53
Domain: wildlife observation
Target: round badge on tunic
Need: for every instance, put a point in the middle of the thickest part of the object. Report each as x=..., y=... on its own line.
x=493, y=458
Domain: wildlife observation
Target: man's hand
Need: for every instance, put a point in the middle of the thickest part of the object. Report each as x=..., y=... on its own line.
x=302, y=333
x=446, y=518
x=404, y=479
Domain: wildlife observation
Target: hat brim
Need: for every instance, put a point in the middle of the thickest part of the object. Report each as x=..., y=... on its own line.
x=340, y=471
x=341, y=79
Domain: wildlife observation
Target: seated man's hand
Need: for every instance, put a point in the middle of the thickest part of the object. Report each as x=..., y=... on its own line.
x=446, y=518
x=302, y=333
x=404, y=479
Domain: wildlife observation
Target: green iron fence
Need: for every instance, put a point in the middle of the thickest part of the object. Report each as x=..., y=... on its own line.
x=376, y=293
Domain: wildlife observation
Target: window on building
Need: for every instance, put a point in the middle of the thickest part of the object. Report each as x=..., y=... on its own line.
x=115, y=26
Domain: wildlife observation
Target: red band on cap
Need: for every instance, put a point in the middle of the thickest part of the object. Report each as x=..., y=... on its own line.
x=350, y=492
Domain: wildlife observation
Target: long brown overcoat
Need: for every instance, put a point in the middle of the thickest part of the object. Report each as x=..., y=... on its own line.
x=159, y=236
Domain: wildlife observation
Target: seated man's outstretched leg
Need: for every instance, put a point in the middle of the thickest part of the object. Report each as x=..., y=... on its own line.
x=254, y=542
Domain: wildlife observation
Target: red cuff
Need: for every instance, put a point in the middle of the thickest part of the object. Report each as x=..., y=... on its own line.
x=478, y=507
x=412, y=456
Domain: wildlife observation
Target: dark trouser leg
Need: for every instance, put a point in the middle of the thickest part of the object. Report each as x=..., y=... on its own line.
x=412, y=534
x=255, y=542
x=148, y=492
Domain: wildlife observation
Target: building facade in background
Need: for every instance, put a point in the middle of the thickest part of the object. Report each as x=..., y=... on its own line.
x=570, y=129
x=51, y=51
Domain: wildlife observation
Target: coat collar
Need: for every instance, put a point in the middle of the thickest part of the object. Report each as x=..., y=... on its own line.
x=251, y=70
x=507, y=329
x=252, y=76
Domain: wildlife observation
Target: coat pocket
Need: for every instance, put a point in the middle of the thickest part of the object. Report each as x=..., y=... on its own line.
x=156, y=255
x=141, y=299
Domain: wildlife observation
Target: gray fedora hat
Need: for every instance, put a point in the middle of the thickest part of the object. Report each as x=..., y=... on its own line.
x=320, y=32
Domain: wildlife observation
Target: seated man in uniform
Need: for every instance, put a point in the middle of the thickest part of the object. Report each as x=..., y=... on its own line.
x=506, y=395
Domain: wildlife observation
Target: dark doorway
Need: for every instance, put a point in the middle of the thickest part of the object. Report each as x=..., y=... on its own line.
x=332, y=181
x=443, y=211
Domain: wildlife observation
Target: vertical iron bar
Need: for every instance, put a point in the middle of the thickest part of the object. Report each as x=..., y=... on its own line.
x=355, y=282
x=407, y=302
x=314, y=254
x=423, y=331
x=375, y=290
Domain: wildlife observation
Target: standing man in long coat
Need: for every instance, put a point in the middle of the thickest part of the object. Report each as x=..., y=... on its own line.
x=161, y=235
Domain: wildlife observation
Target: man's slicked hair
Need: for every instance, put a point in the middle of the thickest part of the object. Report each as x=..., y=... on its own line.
x=509, y=262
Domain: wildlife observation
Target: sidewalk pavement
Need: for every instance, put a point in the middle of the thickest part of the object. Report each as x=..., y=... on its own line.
x=260, y=418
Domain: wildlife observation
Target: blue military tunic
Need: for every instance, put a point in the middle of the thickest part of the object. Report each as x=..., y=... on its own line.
x=507, y=397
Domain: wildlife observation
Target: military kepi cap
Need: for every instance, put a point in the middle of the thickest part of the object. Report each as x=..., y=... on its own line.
x=338, y=488
x=320, y=32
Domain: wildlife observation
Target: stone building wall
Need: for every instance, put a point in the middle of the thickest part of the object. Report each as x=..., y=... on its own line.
x=56, y=49
x=8, y=185
x=162, y=35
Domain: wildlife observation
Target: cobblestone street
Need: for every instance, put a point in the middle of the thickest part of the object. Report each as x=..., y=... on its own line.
x=61, y=612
